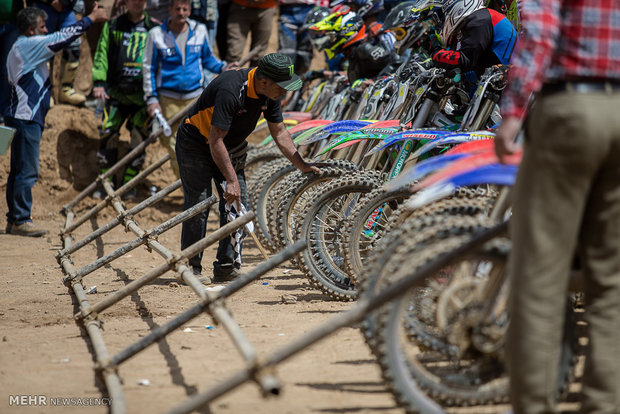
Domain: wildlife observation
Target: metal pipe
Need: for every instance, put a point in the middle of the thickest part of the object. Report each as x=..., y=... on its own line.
x=154, y=232
x=116, y=221
x=93, y=211
x=244, y=280
x=163, y=268
x=111, y=379
x=348, y=318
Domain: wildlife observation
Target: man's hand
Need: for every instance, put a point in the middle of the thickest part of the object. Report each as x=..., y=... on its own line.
x=505, y=138
x=152, y=108
x=312, y=167
x=100, y=93
x=98, y=14
x=232, y=193
x=56, y=5
x=232, y=65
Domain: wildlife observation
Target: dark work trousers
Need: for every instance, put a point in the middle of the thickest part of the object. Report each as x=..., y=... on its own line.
x=198, y=173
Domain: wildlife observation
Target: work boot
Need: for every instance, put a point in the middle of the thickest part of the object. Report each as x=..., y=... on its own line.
x=68, y=94
x=224, y=272
x=26, y=229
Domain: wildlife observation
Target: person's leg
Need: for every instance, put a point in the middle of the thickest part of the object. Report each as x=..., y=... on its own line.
x=221, y=38
x=196, y=176
x=8, y=35
x=261, y=25
x=136, y=124
x=170, y=107
x=24, y=169
x=548, y=205
x=287, y=31
x=601, y=253
x=304, y=44
x=70, y=63
x=225, y=252
x=238, y=26
x=107, y=154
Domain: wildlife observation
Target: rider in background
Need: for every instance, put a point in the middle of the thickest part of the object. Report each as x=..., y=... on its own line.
x=475, y=38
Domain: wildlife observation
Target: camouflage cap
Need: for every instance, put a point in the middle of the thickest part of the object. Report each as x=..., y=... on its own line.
x=280, y=69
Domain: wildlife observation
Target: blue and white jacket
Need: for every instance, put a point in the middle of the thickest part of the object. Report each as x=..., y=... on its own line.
x=163, y=70
x=28, y=74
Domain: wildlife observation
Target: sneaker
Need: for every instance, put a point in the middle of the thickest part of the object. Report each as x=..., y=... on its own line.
x=224, y=273
x=70, y=96
x=130, y=195
x=98, y=194
x=26, y=229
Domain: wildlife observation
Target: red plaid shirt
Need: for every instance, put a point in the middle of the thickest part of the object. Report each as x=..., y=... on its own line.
x=563, y=40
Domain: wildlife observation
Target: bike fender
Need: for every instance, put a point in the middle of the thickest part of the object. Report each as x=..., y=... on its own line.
x=453, y=138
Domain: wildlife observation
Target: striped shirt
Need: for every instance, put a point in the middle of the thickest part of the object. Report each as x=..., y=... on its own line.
x=28, y=74
x=563, y=40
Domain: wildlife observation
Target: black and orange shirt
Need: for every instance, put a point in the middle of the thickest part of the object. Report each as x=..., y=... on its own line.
x=231, y=103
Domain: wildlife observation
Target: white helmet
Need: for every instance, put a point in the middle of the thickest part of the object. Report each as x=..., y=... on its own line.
x=454, y=13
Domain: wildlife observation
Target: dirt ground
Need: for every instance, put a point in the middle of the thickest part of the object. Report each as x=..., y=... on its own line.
x=44, y=352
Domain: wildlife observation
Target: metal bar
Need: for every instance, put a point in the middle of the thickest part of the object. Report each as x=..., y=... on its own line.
x=163, y=330
x=111, y=379
x=154, y=232
x=116, y=221
x=93, y=211
x=163, y=268
x=348, y=318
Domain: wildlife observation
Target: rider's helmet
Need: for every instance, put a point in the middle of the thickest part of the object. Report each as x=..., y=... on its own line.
x=331, y=33
x=409, y=21
x=366, y=8
x=315, y=15
x=455, y=13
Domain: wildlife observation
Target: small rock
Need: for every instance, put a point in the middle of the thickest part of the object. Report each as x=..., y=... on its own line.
x=173, y=285
x=185, y=347
x=144, y=382
x=5, y=338
x=288, y=299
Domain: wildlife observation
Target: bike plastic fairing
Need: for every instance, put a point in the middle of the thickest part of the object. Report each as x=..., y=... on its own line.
x=347, y=140
x=472, y=146
x=492, y=174
x=415, y=134
x=466, y=164
x=422, y=169
x=333, y=128
x=453, y=139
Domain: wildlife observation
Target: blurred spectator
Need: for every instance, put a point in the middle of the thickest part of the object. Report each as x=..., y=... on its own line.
x=245, y=17
x=117, y=76
x=221, y=37
x=8, y=35
x=175, y=56
x=293, y=37
x=28, y=106
x=60, y=15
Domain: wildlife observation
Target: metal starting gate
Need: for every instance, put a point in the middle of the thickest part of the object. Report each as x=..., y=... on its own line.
x=258, y=369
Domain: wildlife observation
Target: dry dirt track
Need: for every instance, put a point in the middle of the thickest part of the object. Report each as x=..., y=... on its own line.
x=44, y=352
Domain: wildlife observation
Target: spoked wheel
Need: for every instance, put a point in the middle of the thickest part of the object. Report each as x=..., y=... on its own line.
x=322, y=261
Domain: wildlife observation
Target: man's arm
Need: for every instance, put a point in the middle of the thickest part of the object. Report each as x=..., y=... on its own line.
x=150, y=63
x=100, y=63
x=232, y=193
x=284, y=142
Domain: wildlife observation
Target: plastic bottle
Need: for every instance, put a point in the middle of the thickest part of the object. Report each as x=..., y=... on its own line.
x=99, y=108
x=163, y=123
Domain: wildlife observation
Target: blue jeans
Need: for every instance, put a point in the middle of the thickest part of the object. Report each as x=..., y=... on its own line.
x=24, y=169
x=293, y=41
x=198, y=171
x=8, y=35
